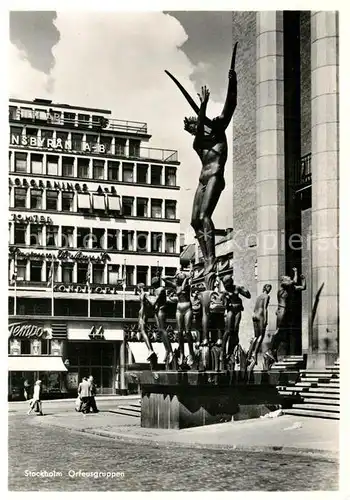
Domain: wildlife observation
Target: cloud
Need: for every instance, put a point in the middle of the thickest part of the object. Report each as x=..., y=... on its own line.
x=116, y=61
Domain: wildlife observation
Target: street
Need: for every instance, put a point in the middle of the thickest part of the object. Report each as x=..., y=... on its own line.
x=62, y=454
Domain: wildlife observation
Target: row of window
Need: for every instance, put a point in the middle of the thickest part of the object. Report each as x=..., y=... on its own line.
x=36, y=235
x=78, y=272
x=68, y=201
x=88, y=168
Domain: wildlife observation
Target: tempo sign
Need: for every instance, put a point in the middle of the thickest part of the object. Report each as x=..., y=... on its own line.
x=26, y=330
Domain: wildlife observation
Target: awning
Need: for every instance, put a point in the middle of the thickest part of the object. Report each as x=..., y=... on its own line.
x=114, y=203
x=83, y=200
x=140, y=352
x=99, y=202
x=36, y=364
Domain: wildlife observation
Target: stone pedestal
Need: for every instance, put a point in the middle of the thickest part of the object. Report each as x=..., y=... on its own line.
x=176, y=400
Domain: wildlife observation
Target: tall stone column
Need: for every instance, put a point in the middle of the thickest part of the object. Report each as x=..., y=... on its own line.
x=270, y=157
x=325, y=179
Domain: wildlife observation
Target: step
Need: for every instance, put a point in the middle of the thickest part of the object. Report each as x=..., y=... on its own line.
x=288, y=393
x=330, y=385
x=136, y=405
x=314, y=379
x=311, y=413
x=325, y=390
x=305, y=384
x=335, y=369
x=319, y=407
x=125, y=413
x=325, y=373
x=289, y=388
x=335, y=380
x=320, y=395
x=129, y=408
x=322, y=401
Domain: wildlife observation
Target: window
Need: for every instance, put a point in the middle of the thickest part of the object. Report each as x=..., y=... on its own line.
x=31, y=132
x=36, y=235
x=98, y=169
x=91, y=141
x=67, y=166
x=20, y=234
x=156, y=242
x=20, y=197
x=99, y=202
x=156, y=208
x=128, y=172
x=170, y=176
x=113, y=275
x=114, y=204
x=156, y=175
x=82, y=269
x=141, y=242
x=98, y=273
x=36, y=164
x=67, y=202
x=83, y=168
x=141, y=173
x=113, y=170
x=21, y=162
x=120, y=145
x=134, y=148
x=35, y=271
x=129, y=275
x=156, y=271
x=170, y=209
x=141, y=274
x=83, y=119
x=51, y=200
x=36, y=199
x=45, y=347
x=170, y=271
x=83, y=237
x=25, y=346
x=84, y=202
x=67, y=272
x=128, y=240
x=142, y=207
x=127, y=205
x=21, y=270
x=52, y=165
x=67, y=237
x=49, y=269
x=77, y=142
x=98, y=238
x=170, y=243
x=107, y=144
x=16, y=133
x=61, y=138
x=46, y=134
x=112, y=239
x=52, y=236
x=69, y=118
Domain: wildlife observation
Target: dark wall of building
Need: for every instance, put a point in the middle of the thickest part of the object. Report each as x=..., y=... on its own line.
x=305, y=82
x=244, y=164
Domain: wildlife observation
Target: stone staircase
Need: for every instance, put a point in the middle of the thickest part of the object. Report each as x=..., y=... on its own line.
x=318, y=393
x=292, y=362
x=129, y=410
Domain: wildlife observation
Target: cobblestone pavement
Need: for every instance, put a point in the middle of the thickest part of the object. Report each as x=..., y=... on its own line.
x=153, y=467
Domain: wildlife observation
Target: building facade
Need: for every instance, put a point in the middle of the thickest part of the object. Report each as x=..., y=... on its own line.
x=286, y=173
x=92, y=212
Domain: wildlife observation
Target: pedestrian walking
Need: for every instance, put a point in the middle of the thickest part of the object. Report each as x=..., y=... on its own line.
x=26, y=389
x=84, y=392
x=93, y=394
x=35, y=403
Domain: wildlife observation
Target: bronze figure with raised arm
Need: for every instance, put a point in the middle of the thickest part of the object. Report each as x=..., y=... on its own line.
x=210, y=144
x=260, y=321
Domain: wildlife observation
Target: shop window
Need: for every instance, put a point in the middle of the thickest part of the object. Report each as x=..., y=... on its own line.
x=128, y=240
x=35, y=271
x=83, y=168
x=36, y=235
x=98, y=169
x=142, y=207
x=83, y=237
x=113, y=274
x=67, y=272
x=82, y=270
x=129, y=275
x=141, y=173
x=52, y=165
x=21, y=270
x=20, y=197
x=51, y=200
x=112, y=239
x=156, y=242
x=67, y=237
x=128, y=172
x=113, y=170
x=98, y=272
x=170, y=243
x=98, y=238
x=25, y=346
x=141, y=274
x=131, y=309
x=127, y=205
x=77, y=142
x=36, y=164
x=67, y=201
x=156, y=175
x=120, y=145
x=36, y=199
x=170, y=176
x=21, y=163
x=52, y=236
x=106, y=142
x=67, y=166
x=156, y=208
x=134, y=148
x=141, y=242
x=20, y=234
x=170, y=209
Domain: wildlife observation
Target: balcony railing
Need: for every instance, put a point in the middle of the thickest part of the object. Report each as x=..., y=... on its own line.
x=93, y=148
x=303, y=172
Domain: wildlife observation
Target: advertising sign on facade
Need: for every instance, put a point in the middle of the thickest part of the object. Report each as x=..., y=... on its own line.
x=26, y=330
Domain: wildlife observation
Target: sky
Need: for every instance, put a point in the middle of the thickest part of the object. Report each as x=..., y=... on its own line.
x=116, y=61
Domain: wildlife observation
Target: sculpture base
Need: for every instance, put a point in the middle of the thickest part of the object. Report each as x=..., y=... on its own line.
x=175, y=400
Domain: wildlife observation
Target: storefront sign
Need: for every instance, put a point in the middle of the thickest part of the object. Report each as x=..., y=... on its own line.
x=58, y=186
x=26, y=330
x=96, y=333
x=62, y=255
x=46, y=143
x=33, y=219
x=84, y=288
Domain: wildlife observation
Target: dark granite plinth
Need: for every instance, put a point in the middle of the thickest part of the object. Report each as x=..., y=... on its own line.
x=176, y=400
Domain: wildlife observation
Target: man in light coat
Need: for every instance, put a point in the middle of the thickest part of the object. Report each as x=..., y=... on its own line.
x=84, y=392
x=93, y=394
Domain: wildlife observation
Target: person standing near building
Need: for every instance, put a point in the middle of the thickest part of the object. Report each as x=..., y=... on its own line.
x=84, y=392
x=93, y=394
x=26, y=389
x=36, y=401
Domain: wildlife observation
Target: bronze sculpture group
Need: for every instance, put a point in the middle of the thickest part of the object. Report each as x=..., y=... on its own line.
x=209, y=306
